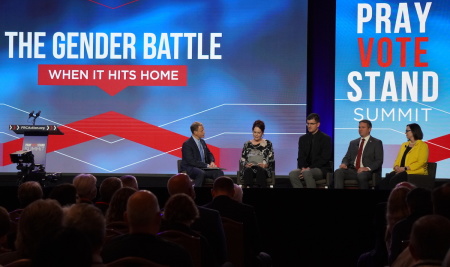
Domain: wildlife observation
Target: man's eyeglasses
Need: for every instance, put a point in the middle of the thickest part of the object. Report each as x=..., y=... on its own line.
x=312, y=123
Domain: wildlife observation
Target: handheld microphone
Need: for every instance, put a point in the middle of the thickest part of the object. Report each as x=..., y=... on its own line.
x=31, y=114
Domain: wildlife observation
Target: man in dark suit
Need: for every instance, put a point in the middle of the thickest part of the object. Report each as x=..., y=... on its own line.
x=196, y=157
x=223, y=192
x=144, y=220
x=209, y=224
x=314, y=155
x=370, y=161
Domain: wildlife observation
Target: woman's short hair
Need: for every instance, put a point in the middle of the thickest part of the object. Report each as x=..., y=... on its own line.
x=260, y=124
x=416, y=131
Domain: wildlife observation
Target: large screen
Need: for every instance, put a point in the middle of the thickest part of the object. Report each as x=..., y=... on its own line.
x=392, y=68
x=124, y=80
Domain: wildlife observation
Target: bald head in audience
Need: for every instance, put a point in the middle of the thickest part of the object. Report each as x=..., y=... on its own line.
x=181, y=183
x=143, y=213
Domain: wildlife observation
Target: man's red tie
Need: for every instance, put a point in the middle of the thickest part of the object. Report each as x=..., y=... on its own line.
x=358, y=158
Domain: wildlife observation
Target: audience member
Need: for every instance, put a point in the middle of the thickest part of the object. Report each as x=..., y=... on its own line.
x=107, y=188
x=129, y=181
x=86, y=185
x=446, y=262
x=39, y=221
x=377, y=257
x=441, y=200
x=180, y=212
x=90, y=221
x=387, y=214
x=238, y=193
x=209, y=224
x=5, y=226
x=406, y=184
x=144, y=219
x=69, y=248
x=314, y=155
x=363, y=158
x=118, y=205
x=29, y=192
x=65, y=194
x=419, y=205
x=430, y=240
x=257, y=158
x=396, y=210
x=222, y=193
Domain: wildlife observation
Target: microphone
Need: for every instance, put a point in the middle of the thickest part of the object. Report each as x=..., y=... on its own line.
x=38, y=113
x=31, y=114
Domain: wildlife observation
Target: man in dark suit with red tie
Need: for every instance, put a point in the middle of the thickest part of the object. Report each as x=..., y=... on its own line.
x=196, y=157
x=364, y=157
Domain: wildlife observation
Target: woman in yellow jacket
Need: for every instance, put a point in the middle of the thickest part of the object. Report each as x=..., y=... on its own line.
x=412, y=158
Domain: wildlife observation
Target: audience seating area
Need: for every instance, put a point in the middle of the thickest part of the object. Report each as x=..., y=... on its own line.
x=297, y=225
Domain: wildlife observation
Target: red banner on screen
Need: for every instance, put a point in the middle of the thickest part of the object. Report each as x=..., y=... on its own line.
x=113, y=78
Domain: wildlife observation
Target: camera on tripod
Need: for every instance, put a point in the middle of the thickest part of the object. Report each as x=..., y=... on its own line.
x=28, y=171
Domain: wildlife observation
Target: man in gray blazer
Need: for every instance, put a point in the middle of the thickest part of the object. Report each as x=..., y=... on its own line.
x=370, y=160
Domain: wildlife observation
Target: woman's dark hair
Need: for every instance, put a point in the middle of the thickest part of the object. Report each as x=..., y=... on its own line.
x=260, y=124
x=416, y=131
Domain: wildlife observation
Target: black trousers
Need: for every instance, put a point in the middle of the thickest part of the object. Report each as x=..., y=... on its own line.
x=392, y=179
x=255, y=172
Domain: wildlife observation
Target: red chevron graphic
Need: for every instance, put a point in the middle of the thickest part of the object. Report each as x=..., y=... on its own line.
x=437, y=153
x=110, y=123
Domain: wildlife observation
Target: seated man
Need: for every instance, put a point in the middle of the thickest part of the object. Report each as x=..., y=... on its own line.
x=223, y=193
x=129, y=180
x=430, y=240
x=107, y=189
x=364, y=157
x=144, y=220
x=209, y=224
x=196, y=157
x=314, y=155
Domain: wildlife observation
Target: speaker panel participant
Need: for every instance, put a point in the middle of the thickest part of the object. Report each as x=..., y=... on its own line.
x=363, y=158
x=197, y=158
x=412, y=158
x=257, y=157
x=314, y=155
